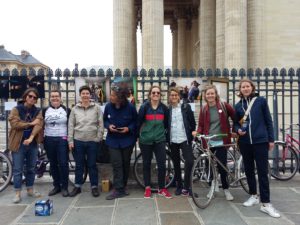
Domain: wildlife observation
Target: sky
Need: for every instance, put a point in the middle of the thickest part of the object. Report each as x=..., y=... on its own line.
x=60, y=33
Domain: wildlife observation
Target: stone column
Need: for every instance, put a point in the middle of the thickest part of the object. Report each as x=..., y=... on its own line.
x=123, y=17
x=220, y=34
x=188, y=49
x=174, y=45
x=255, y=33
x=207, y=27
x=153, y=34
x=235, y=34
x=181, y=43
x=195, y=39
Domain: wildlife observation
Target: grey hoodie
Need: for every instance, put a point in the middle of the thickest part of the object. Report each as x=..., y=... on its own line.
x=85, y=124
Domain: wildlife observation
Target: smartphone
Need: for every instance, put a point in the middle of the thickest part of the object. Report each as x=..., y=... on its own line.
x=119, y=129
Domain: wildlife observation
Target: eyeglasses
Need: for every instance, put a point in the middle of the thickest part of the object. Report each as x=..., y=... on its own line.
x=32, y=96
x=155, y=92
x=174, y=95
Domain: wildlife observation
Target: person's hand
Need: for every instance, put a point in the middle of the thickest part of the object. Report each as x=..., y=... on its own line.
x=28, y=141
x=71, y=146
x=241, y=133
x=112, y=128
x=194, y=133
x=123, y=130
x=234, y=135
x=35, y=122
x=271, y=146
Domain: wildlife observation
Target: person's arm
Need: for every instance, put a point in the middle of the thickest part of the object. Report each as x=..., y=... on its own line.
x=71, y=124
x=16, y=122
x=141, y=117
x=268, y=120
x=191, y=117
x=37, y=127
x=105, y=117
x=133, y=123
x=201, y=121
x=100, y=123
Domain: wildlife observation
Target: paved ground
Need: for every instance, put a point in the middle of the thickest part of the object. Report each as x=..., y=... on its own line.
x=134, y=209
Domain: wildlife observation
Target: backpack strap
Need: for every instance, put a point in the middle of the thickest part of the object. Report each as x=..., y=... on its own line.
x=223, y=106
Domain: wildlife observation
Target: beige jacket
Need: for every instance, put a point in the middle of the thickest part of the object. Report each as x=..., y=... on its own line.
x=17, y=128
x=85, y=124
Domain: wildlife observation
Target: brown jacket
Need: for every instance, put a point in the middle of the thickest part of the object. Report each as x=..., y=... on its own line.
x=17, y=128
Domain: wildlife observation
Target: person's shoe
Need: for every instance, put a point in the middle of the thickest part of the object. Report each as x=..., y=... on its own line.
x=75, y=191
x=147, y=193
x=126, y=191
x=95, y=192
x=228, y=195
x=164, y=192
x=269, y=209
x=185, y=193
x=17, y=199
x=64, y=192
x=34, y=194
x=253, y=200
x=178, y=191
x=115, y=194
x=54, y=191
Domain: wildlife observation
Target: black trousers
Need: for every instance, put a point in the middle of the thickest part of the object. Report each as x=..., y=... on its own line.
x=259, y=154
x=120, y=160
x=187, y=153
x=221, y=154
x=159, y=149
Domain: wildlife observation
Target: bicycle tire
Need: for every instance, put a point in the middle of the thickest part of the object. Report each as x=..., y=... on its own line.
x=288, y=163
x=203, y=179
x=72, y=168
x=5, y=171
x=138, y=172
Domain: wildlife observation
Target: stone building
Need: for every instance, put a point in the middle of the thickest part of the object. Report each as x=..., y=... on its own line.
x=208, y=33
x=26, y=61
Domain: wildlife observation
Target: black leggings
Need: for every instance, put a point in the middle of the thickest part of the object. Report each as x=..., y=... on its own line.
x=221, y=154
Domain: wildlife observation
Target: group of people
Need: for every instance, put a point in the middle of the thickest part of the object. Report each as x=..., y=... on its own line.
x=154, y=126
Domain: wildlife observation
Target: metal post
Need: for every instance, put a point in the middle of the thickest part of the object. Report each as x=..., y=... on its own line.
x=275, y=121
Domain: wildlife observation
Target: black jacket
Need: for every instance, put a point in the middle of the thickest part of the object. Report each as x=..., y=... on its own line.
x=188, y=122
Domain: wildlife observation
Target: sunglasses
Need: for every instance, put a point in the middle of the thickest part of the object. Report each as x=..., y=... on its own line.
x=155, y=92
x=32, y=96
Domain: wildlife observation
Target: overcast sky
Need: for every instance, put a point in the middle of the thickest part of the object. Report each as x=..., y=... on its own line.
x=60, y=33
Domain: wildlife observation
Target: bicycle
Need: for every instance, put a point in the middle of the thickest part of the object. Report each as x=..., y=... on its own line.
x=286, y=160
x=204, y=172
x=5, y=171
x=42, y=166
x=138, y=171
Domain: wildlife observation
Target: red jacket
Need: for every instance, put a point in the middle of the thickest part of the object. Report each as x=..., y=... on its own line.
x=204, y=120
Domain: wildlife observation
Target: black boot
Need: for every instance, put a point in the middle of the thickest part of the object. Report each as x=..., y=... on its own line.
x=75, y=191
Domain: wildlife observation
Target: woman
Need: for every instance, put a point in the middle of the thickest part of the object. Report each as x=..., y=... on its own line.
x=256, y=138
x=120, y=120
x=213, y=119
x=85, y=133
x=152, y=126
x=26, y=123
x=56, y=143
x=181, y=125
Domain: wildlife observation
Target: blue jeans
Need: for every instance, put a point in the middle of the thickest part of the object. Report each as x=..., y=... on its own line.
x=57, y=153
x=86, y=150
x=25, y=155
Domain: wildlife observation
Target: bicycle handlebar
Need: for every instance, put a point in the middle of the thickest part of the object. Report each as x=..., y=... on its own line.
x=209, y=137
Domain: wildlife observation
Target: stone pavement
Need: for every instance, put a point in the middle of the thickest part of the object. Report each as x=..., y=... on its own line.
x=134, y=209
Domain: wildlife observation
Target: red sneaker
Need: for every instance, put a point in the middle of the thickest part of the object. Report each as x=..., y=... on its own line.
x=164, y=192
x=147, y=193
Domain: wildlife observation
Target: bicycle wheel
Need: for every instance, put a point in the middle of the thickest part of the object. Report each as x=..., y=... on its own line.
x=72, y=166
x=231, y=164
x=5, y=171
x=203, y=181
x=138, y=172
x=286, y=165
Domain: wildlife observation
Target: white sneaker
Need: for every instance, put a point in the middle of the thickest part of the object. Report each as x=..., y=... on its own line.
x=217, y=189
x=17, y=199
x=269, y=209
x=228, y=195
x=253, y=200
x=211, y=191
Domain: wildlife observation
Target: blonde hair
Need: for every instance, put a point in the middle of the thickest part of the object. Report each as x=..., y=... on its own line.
x=208, y=87
x=246, y=80
x=174, y=89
